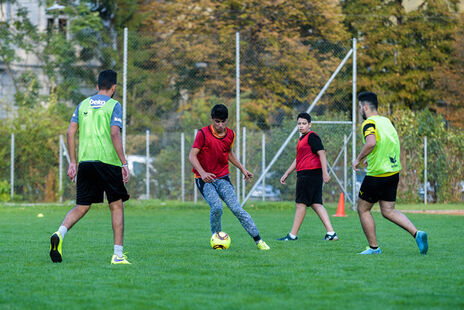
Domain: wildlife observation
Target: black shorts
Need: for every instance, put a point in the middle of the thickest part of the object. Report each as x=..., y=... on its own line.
x=374, y=189
x=94, y=178
x=309, y=187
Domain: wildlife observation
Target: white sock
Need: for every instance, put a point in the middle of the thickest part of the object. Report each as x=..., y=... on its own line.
x=62, y=230
x=292, y=236
x=118, y=250
x=331, y=232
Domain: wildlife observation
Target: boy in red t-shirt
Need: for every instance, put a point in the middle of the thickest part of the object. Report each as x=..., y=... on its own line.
x=311, y=167
x=210, y=156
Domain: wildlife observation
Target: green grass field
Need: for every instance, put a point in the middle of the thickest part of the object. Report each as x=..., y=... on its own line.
x=173, y=265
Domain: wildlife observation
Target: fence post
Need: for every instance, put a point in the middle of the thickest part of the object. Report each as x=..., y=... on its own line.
x=425, y=170
x=263, y=162
x=195, y=192
x=182, y=165
x=353, y=119
x=124, y=90
x=243, y=160
x=147, y=164
x=237, y=105
x=12, y=161
x=60, y=181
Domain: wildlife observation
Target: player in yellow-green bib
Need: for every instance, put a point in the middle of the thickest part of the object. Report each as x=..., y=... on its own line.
x=102, y=164
x=381, y=152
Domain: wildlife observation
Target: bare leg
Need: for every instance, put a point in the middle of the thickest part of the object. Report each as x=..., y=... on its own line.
x=367, y=221
x=300, y=213
x=74, y=215
x=117, y=219
x=322, y=213
x=389, y=212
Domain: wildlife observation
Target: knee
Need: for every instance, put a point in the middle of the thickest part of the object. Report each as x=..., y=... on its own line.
x=82, y=209
x=216, y=211
x=386, y=213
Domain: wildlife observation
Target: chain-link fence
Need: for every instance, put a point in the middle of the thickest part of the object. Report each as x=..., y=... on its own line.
x=172, y=83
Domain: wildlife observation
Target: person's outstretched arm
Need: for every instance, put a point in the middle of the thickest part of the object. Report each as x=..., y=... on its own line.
x=325, y=173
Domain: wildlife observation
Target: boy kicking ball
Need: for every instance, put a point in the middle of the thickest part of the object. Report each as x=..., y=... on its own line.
x=210, y=156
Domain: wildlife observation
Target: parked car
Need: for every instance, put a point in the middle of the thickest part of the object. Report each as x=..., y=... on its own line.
x=270, y=193
x=136, y=165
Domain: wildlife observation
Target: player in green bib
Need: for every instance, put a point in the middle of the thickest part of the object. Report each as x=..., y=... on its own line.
x=102, y=164
x=381, y=152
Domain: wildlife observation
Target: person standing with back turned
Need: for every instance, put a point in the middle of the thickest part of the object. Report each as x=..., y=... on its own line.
x=381, y=151
x=102, y=164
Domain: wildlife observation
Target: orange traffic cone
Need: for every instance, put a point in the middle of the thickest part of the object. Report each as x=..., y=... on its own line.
x=341, y=206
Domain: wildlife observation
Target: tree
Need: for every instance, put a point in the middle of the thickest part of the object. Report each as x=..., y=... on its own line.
x=399, y=51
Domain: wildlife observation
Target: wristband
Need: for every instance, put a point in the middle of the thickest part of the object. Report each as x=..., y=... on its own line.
x=124, y=165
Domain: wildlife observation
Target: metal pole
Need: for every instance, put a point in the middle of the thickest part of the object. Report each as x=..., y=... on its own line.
x=124, y=90
x=263, y=162
x=147, y=164
x=12, y=161
x=182, y=164
x=425, y=170
x=243, y=159
x=60, y=180
x=345, y=167
x=237, y=105
x=282, y=147
x=195, y=190
x=353, y=119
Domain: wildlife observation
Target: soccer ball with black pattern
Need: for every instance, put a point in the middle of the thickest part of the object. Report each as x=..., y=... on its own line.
x=220, y=241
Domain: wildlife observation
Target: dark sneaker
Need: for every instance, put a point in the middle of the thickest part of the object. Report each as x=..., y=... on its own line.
x=56, y=243
x=333, y=237
x=287, y=238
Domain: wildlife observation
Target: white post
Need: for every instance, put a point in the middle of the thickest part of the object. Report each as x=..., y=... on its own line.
x=243, y=159
x=124, y=91
x=263, y=161
x=237, y=105
x=353, y=119
x=425, y=170
x=60, y=180
x=345, y=167
x=12, y=161
x=195, y=190
x=182, y=164
x=147, y=164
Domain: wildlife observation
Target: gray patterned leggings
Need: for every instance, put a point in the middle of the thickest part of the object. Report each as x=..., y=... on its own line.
x=222, y=189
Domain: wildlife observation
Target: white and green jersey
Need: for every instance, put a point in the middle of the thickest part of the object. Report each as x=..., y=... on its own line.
x=384, y=160
x=95, y=116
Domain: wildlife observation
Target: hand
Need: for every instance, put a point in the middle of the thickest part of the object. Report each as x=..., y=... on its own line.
x=248, y=175
x=325, y=177
x=125, y=174
x=356, y=164
x=208, y=177
x=72, y=171
x=283, y=178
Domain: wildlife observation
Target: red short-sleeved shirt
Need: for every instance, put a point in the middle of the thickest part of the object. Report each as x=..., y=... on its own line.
x=214, y=151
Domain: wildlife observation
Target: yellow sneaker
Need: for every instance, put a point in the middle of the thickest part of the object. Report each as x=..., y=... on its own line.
x=116, y=260
x=56, y=241
x=262, y=245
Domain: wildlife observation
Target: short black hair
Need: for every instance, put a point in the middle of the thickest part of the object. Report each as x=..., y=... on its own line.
x=220, y=112
x=106, y=79
x=370, y=98
x=305, y=116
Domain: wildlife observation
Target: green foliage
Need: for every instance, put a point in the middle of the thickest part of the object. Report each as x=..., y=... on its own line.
x=5, y=194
